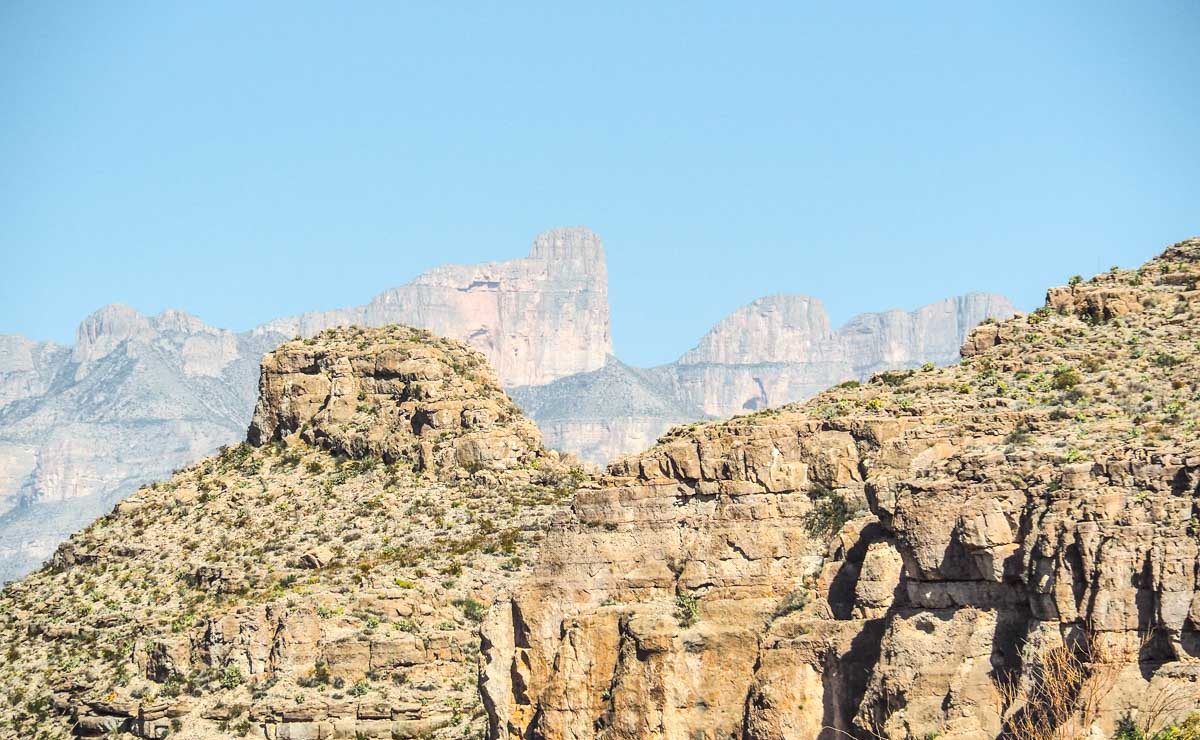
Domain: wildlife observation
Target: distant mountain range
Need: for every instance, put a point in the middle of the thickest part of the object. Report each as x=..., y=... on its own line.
x=771, y=352
x=137, y=397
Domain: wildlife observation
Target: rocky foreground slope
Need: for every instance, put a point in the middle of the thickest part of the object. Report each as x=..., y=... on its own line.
x=326, y=577
x=1009, y=545
x=1004, y=546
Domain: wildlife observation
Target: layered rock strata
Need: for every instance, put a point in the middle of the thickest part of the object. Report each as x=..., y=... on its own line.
x=930, y=554
x=536, y=319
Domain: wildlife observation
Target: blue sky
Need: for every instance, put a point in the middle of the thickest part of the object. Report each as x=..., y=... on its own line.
x=244, y=161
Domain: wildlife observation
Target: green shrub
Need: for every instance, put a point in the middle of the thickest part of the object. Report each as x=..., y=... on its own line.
x=1065, y=378
x=829, y=514
x=231, y=677
x=687, y=610
x=472, y=609
x=1163, y=359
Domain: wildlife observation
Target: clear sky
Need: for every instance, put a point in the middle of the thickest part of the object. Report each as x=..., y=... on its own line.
x=244, y=161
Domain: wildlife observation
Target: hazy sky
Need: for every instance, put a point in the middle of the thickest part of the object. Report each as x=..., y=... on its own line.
x=244, y=161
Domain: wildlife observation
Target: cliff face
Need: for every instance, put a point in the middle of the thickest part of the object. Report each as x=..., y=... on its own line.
x=936, y=553
x=325, y=579
x=535, y=319
x=135, y=398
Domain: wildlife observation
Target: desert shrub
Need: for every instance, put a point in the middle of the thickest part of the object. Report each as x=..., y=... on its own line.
x=829, y=514
x=687, y=609
x=471, y=609
x=795, y=601
x=1065, y=378
x=1063, y=691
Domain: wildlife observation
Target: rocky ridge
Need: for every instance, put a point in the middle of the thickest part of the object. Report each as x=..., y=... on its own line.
x=1007, y=547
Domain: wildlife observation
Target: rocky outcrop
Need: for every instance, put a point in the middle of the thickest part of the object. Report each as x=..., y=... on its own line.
x=396, y=393
x=933, y=553
x=536, y=319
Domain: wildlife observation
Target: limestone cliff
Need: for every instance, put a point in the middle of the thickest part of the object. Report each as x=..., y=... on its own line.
x=1007, y=547
x=536, y=319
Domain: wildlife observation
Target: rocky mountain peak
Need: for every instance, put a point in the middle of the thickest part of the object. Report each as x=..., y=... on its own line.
x=777, y=328
x=575, y=249
x=397, y=393
x=535, y=318
x=182, y=322
x=105, y=329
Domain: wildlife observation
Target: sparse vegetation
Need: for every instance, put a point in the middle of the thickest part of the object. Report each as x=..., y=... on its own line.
x=687, y=609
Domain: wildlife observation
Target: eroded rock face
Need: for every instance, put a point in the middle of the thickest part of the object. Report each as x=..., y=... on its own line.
x=396, y=393
x=538, y=318
x=1037, y=502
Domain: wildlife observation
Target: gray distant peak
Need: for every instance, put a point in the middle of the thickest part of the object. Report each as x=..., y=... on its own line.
x=174, y=320
x=775, y=328
x=575, y=245
x=107, y=328
x=104, y=330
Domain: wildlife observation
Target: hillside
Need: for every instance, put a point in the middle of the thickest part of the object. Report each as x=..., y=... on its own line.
x=338, y=564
